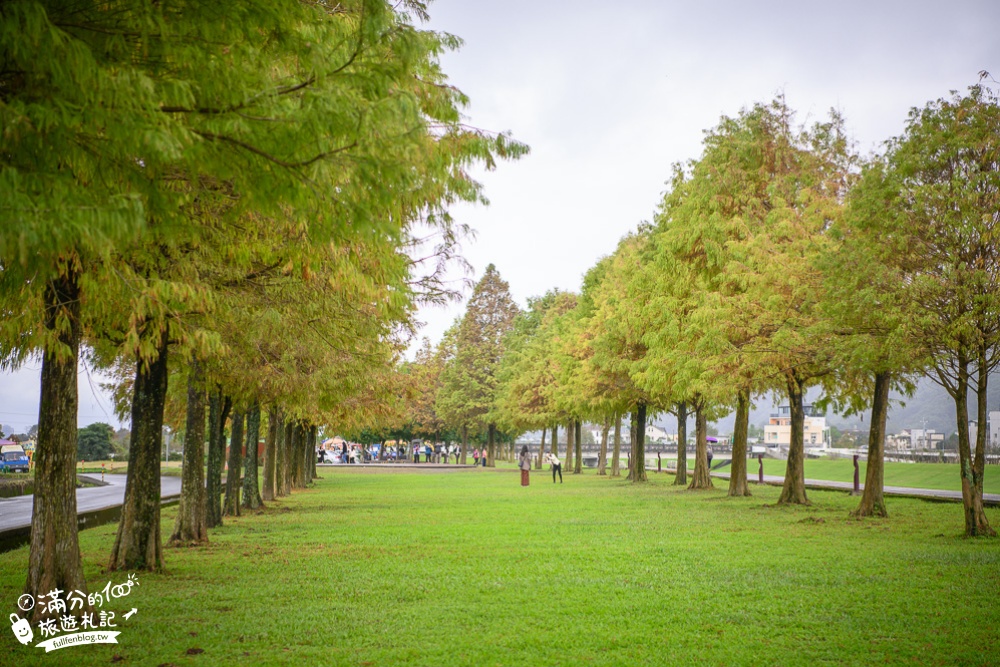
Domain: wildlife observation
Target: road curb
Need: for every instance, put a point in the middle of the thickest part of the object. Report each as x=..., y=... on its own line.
x=14, y=538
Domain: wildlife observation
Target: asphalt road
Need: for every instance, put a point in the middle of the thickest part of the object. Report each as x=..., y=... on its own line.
x=16, y=512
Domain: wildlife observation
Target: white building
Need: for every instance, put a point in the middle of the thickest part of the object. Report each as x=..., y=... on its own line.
x=778, y=430
x=915, y=439
x=993, y=429
x=657, y=434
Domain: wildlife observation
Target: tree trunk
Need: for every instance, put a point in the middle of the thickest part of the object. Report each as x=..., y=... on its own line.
x=270, y=448
x=555, y=441
x=287, y=466
x=465, y=443
x=976, y=524
x=979, y=461
x=54, y=555
x=491, y=431
x=872, y=502
x=213, y=511
x=279, y=454
x=298, y=454
x=219, y=409
x=701, y=479
x=631, y=445
x=578, y=460
x=231, y=507
x=738, y=468
x=637, y=460
x=681, y=478
x=251, y=488
x=138, y=543
x=191, y=526
x=311, y=452
x=616, y=465
x=541, y=452
x=602, y=458
x=570, y=445
x=794, y=489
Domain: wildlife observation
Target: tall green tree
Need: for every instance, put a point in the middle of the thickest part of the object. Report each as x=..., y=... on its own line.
x=748, y=223
x=940, y=184
x=94, y=442
x=469, y=380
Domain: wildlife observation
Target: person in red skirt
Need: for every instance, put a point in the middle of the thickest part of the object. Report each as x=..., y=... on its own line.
x=524, y=463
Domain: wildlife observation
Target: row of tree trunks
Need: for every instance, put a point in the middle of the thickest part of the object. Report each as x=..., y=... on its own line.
x=616, y=469
x=738, y=468
x=54, y=556
x=138, y=544
x=251, y=488
x=681, y=478
x=231, y=507
x=602, y=458
x=191, y=526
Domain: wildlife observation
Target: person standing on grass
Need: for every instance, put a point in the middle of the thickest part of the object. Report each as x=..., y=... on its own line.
x=556, y=466
x=524, y=463
x=475, y=456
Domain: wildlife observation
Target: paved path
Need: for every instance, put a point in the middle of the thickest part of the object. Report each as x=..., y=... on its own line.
x=16, y=512
x=989, y=499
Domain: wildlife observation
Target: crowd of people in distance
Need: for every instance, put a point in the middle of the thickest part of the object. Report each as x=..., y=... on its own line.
x=423, y=452
x=436, y=452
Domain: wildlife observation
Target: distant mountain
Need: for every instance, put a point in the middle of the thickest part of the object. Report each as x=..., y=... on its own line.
x=929, y=407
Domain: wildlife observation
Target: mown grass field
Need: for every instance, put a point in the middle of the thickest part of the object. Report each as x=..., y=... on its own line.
x=469, y=568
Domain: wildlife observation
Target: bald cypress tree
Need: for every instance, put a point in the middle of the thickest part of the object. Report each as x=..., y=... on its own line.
x=469, y=379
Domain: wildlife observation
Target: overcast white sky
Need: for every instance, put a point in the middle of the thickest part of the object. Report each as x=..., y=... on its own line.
x=609, y=95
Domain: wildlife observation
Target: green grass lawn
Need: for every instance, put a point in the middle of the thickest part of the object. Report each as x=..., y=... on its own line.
x=469, y=568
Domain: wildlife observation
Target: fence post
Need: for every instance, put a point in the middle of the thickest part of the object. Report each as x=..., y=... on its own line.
x=857, y=477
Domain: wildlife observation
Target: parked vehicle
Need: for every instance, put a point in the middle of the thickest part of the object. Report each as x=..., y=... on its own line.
x=13, y=459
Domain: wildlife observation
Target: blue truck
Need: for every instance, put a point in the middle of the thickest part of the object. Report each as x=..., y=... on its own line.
x=13, y=459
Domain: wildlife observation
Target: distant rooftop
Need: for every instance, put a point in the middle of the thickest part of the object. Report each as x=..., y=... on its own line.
x=786, y=411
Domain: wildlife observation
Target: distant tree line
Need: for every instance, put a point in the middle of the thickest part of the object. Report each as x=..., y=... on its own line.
x=777, y=261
